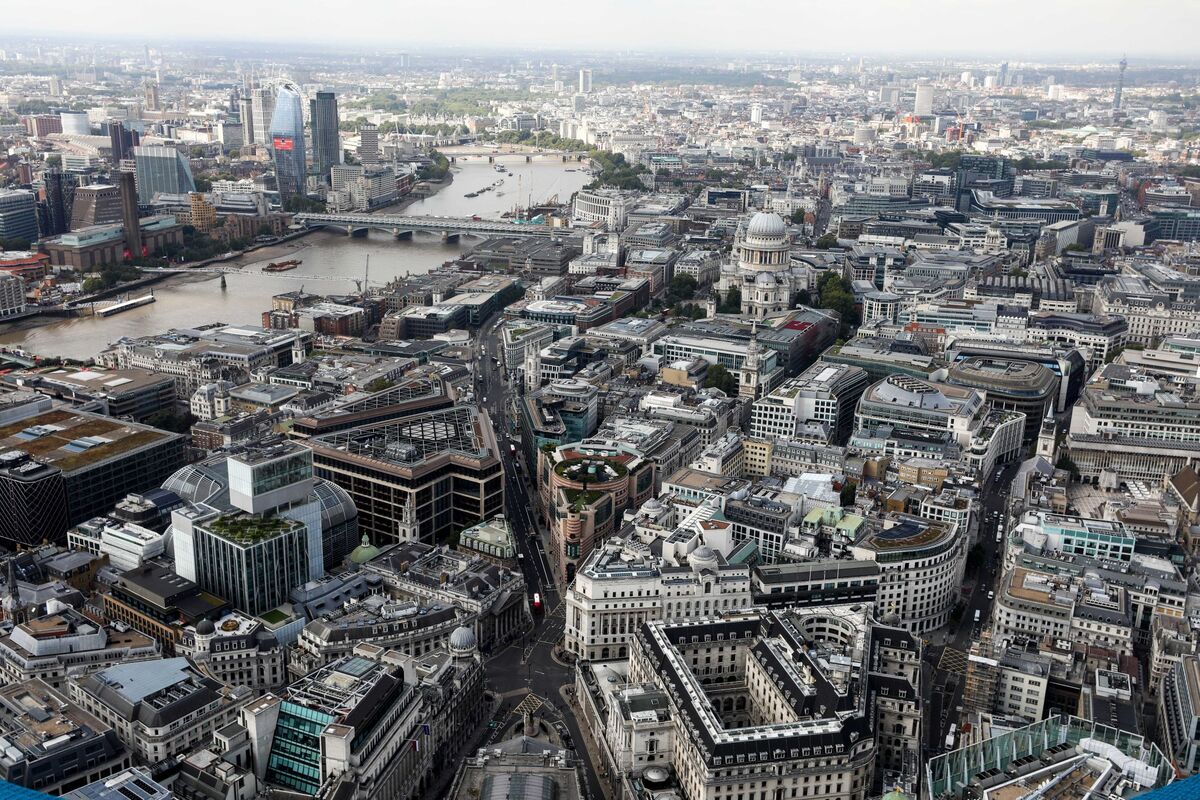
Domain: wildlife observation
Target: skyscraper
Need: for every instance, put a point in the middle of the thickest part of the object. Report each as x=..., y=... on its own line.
x=287, y=141
x=368, y=144
x=129, y=214
x=923, y=105
x=120, y=141
x=327, y=146
x=246, y=115
x=18, y=215
x=585, y=81
x=161, y=169
x=262, y=104
x=59, y=190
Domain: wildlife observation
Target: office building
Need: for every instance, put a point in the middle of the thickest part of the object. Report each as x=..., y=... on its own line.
x=923, y=103
x=987, y=436
x=1130, y=425
x=1020, y=386
x=368, y=144
x=63, y=642
x=268, y=539
x=161, y=168
x=12, y=297
x=819, y=401
x=237, y=651
x=921, y=565
x=583, y=489
x=134, y=783
x=287, y=142
x=60, y=467
x=58, y=190
x=585, y=81
x=18, y=215
x=246, y=117
x=489, y=598
x=262, y=107
x=327, y=144
x=160, y=709
x=159, y=603
x=121, y=142
x=600, y=619
x=375, y=724
x=1179, y=715
x=422, y=477
x=53, y=745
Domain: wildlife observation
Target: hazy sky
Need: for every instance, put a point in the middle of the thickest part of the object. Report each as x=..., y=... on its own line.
x=1151, y=28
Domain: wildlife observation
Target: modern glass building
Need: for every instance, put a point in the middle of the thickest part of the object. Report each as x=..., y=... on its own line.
x=287, y=141
x=161, y=169
x=327, y=146
x=18, y=215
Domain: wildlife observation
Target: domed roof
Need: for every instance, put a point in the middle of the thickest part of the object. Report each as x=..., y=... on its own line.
x=703, y=553
x=205, y=627
x=765, y=280
x=462, y=638
x=364, y=552
x=766, y=224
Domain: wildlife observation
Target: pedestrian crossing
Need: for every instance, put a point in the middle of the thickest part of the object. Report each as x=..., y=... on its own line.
x=529, y=705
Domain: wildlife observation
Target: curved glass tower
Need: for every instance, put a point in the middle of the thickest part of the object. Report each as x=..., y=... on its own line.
x=287, y=141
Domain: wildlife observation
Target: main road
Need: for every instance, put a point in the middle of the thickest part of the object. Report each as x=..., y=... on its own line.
x=530, y=664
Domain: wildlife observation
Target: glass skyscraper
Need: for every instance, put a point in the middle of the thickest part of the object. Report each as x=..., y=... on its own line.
x=161, y=169
x=287, y=141
x=327, y=146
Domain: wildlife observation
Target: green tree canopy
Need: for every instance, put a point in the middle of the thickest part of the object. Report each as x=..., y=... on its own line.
x=718, y=377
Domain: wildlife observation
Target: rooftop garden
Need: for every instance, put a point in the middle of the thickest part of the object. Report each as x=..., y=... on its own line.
x=600, y=470
x=580, y=499
x=274, y=617
x=249, y=528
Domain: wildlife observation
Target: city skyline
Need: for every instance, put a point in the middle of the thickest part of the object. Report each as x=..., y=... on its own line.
x=1021, y=28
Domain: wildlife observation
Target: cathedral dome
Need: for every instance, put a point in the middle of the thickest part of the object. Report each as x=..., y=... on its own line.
x=766, y=225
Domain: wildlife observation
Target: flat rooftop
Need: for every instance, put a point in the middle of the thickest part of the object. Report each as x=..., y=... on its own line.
x=73, y=440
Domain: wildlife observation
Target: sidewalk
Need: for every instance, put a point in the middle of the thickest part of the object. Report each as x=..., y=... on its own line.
x=594, y=754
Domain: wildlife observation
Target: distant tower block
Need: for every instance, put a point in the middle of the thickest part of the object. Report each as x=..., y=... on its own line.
x=1122, y=66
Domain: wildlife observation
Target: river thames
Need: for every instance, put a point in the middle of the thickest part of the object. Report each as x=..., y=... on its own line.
x=330, y=262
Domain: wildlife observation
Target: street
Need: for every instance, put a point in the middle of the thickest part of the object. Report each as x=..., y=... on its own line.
x=944, y=670
x=526, y=667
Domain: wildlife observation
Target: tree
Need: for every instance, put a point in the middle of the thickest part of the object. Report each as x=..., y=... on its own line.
x=827, y=241
x=203, y=184
x=835, y=293
x=93, y=284
x=732, y=304
x=683, y=287
x=848, y=493
x=720, y=378
x=54, y=160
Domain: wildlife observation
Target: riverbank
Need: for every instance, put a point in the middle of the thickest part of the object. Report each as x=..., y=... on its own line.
x=409, y=199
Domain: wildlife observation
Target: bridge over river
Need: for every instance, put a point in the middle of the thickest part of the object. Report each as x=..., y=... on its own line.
x=403, y=226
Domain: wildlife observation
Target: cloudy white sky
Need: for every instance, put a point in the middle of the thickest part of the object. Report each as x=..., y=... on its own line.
x=1013, y=28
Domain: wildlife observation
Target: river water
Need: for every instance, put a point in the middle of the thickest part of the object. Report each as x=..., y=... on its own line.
x=330, y=262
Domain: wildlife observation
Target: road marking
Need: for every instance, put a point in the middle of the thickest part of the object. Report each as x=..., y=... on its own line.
x=953, y=661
